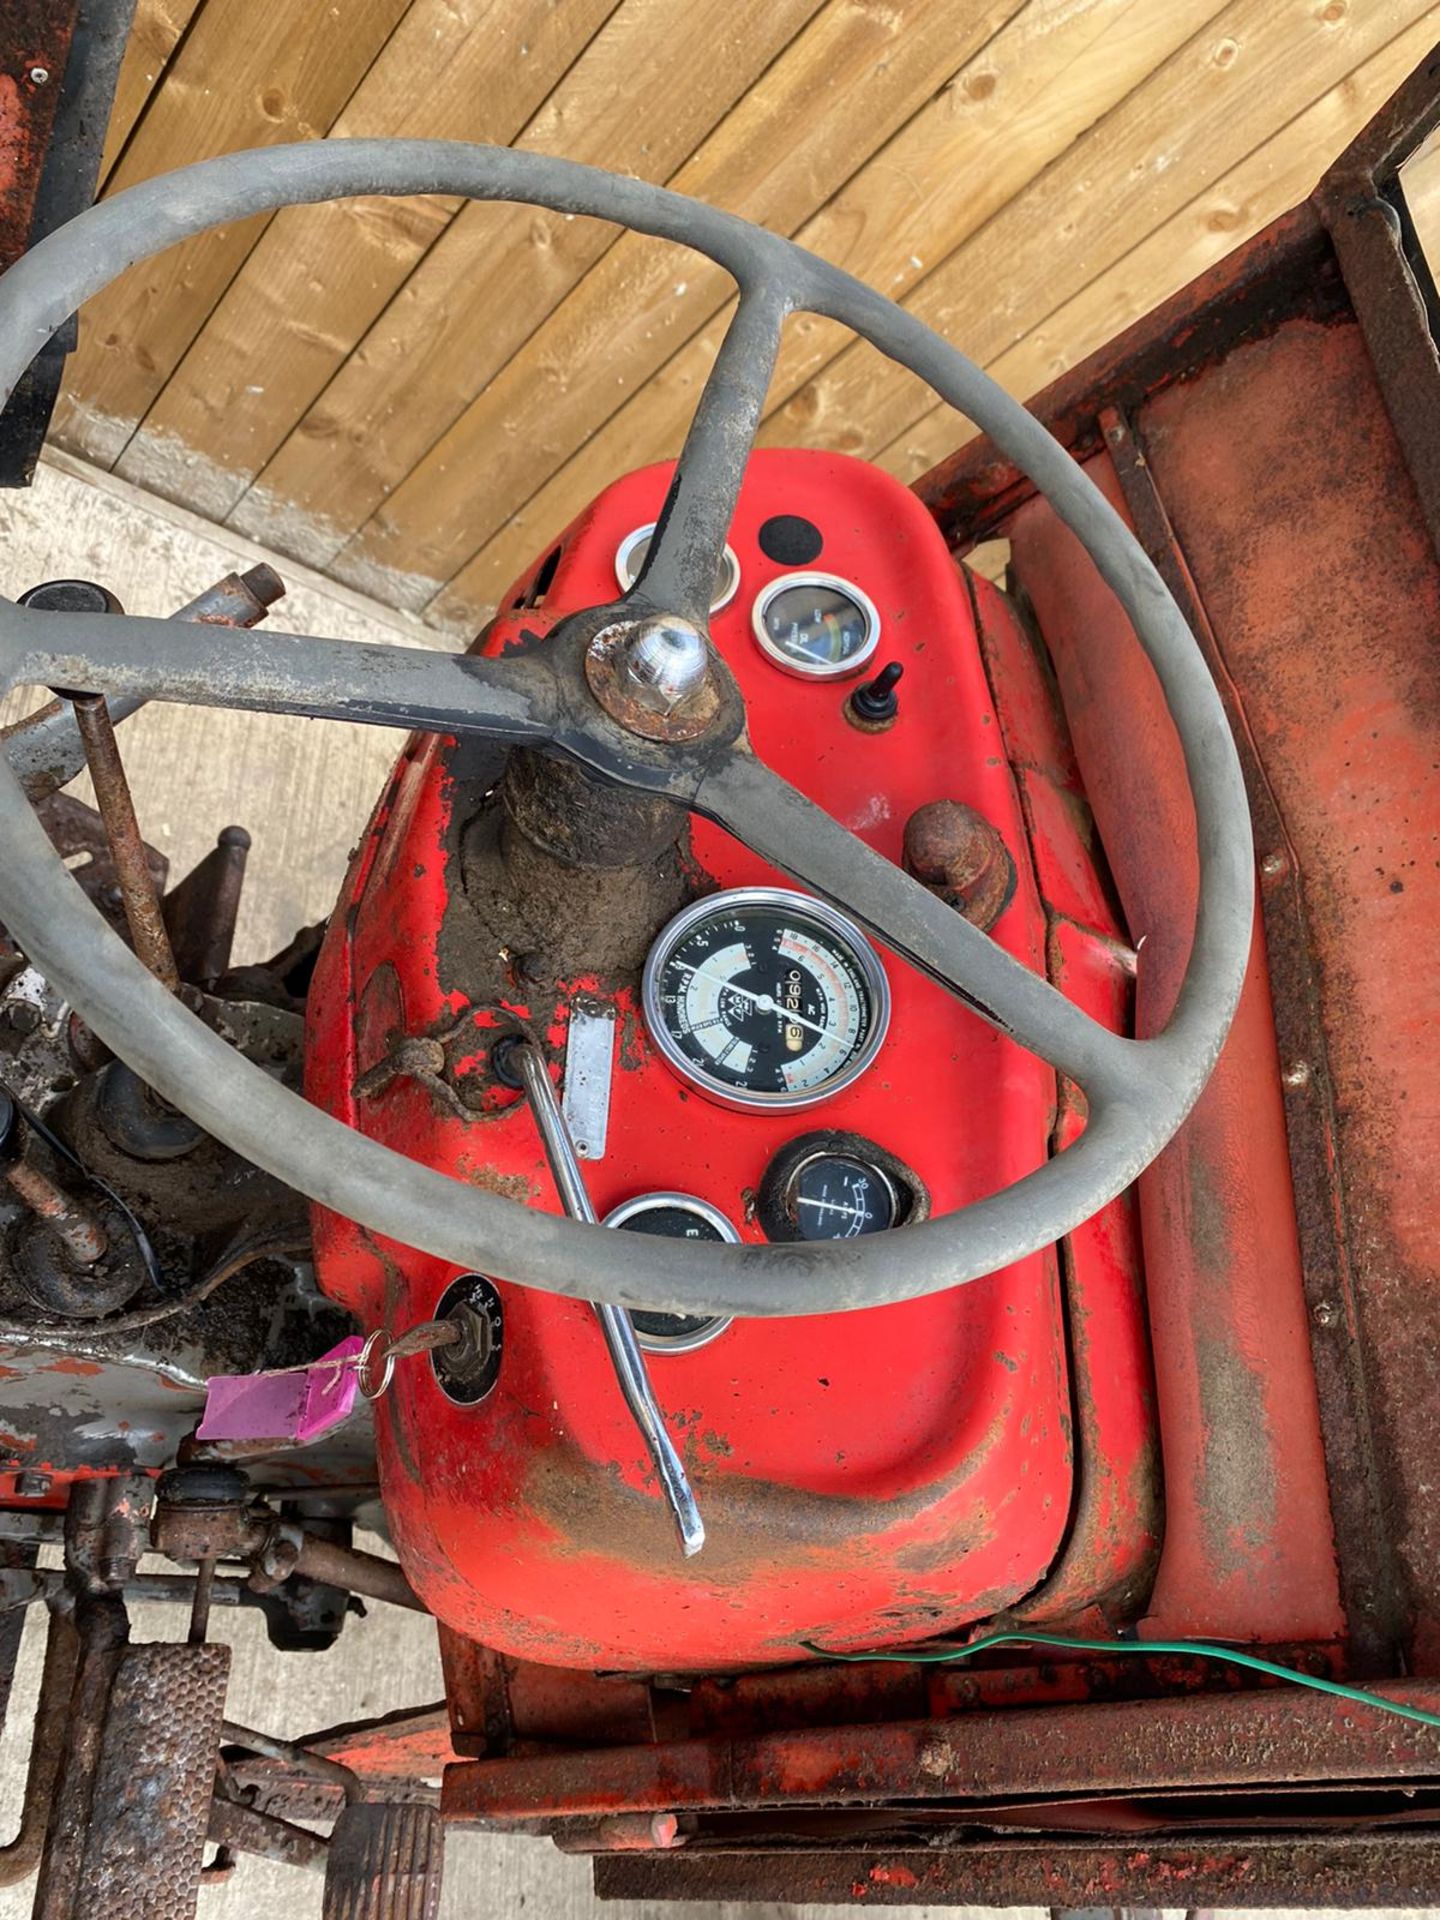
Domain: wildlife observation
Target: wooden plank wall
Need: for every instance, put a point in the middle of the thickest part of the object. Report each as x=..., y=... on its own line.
x=415, y=395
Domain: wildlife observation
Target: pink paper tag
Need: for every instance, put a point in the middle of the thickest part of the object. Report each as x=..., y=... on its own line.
x=288, y=1408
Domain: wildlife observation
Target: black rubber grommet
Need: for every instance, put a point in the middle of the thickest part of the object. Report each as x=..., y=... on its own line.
x=502, y=1062
x=790, y=540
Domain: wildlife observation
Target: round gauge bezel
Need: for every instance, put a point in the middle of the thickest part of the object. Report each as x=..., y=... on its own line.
x=700, y=1336
x=819, y=669
x=790, y=1197
x=736, y=899
x=775, y=1190
x=626, y=580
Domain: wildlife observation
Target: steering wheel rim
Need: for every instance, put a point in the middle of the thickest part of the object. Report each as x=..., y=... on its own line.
x=1139, y=1092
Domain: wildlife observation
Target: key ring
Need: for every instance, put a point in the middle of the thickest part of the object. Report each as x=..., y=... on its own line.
x=362, y=1366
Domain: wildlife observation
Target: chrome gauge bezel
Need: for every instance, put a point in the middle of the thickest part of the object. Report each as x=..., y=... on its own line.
x=791, y=1196
x=818, y=669
x=725, y=1229
x=838, y=925
x=625, y=575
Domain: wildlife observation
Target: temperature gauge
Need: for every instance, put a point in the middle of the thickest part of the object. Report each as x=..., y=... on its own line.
x=765, y=998
x=816, y=625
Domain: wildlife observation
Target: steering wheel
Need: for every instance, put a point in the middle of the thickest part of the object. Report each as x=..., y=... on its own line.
x=601, y=692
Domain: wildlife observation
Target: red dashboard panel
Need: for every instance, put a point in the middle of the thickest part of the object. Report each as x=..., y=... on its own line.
x=865, y=1479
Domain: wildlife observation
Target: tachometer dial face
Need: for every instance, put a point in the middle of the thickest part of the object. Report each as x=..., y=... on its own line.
x=816, y=626
x=631, y=554
x=766, y=998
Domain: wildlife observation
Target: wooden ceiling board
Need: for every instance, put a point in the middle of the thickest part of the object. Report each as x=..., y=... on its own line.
x=417, y=395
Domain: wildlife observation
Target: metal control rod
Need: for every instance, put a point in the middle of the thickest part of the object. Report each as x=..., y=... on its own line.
x=625, y=1355
x=45, y=749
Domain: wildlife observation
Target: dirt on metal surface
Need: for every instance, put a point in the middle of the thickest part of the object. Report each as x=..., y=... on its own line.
x=1116, y=1748
x=1281, y=475
x=35, y=38
x=1248, y=1550
x=1221, y=1871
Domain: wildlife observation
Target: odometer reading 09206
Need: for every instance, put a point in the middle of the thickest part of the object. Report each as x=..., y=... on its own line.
x=766, y=998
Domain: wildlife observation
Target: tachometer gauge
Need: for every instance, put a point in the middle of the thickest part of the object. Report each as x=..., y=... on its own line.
x=765, y=998
x=674, y=1216
x=816, y=625
x=630, y=558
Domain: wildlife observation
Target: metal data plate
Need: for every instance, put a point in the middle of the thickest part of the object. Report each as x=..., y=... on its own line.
x=589, y=1062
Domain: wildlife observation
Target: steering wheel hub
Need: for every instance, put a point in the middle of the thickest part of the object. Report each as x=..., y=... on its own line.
x=655, y=677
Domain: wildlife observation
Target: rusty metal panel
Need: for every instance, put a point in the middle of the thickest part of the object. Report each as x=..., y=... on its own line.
x=1288, y=269
x=1120, y=1747
x=59, y=61
x=151, y=1803
x=1353, y=1870
x=1289, y=493
x=1248, y=1552
x=35, y=38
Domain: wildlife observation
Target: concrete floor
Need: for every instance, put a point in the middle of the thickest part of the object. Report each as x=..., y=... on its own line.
x=303, y=788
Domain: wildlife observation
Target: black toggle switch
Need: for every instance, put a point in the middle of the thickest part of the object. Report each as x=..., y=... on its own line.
x=874, y=702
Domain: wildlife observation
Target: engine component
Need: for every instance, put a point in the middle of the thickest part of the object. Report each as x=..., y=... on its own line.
x=764, y=998
x=206, y=1514
x=955, y=851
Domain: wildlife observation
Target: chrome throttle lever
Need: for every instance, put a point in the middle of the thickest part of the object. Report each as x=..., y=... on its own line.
x=521, y=1061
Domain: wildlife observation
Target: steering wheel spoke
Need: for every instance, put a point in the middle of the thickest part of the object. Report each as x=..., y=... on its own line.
x=776, y=821
x=684, y=556
x=133, y=658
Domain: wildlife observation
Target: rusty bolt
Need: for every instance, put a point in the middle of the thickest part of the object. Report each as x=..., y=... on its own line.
x=22, y=1016
x=32, y=1485
x=961, y=858
x=1273, y=864
x=1327, y=1314
x=1297, y=1074
x=278, y=1556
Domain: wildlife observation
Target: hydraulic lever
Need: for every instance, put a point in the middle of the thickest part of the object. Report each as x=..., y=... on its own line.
x=523, y=1062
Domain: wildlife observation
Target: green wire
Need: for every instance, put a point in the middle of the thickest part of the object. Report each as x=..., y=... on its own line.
x=1359, y=1695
